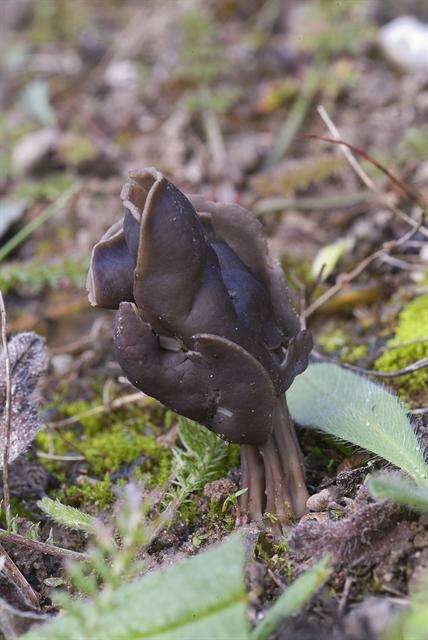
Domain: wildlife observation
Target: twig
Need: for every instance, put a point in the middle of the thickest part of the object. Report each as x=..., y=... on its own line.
x=412, y=195
x=345, y=595
x=7, y=413
x=347, y=149
x=16, y=576
x=415, y=366
x=115, y=404
x=400, y=264
x=346, y=278
x=43, y=547
x=275, y=205
x=411, y=368
x=52, y=456
x=47, y=213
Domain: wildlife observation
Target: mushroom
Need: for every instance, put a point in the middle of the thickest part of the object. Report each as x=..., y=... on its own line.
x=205, y=325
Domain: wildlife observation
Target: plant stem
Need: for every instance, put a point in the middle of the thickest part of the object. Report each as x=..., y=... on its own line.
x=273, y=473
x=7, y=413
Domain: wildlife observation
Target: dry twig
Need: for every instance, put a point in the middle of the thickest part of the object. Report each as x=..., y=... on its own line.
x=43, y=547
x=415, y=366
x=348, y=149
x=7, y=413
x=411, y=368
x=16, y=576
x=344, y=279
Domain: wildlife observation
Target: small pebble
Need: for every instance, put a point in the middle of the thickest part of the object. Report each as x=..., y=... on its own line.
x=320, y=501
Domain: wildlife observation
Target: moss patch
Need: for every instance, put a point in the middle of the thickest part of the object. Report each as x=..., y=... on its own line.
x=111, y=444
x=338, y=341
x=89, y=494
x=409, y=345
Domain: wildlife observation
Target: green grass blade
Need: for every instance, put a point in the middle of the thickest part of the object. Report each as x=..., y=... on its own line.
x=293, y=598
x=47, y=213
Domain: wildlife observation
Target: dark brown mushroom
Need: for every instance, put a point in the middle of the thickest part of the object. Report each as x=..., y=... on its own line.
x=206, y=326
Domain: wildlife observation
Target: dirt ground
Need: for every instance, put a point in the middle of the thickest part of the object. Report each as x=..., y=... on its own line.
x=222, y=97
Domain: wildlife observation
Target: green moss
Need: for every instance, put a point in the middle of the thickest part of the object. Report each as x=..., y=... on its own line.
x=109, y=442
x=354, y=353
x=189, y=512
x=120, y=445
x=216, y=516
x=93, y=495
x=409, y=345
x=332, y=341
x=338, y=341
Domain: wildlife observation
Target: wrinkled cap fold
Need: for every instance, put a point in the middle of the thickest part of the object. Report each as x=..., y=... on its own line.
x=205, y=322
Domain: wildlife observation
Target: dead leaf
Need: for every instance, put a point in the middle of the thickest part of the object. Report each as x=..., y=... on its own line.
x=28, y=361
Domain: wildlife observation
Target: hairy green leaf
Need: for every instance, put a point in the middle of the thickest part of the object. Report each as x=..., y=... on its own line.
x=392, y=486
x=67, y=516
x=353, y=408
x=293, y=598
x=201, y=598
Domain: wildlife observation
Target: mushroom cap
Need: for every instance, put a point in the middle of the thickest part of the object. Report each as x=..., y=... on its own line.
x=205, y=323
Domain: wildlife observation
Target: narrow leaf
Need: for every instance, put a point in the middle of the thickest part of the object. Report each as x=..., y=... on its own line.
x=293, y=598
x=391, y=486
x=353, y=408
x=328, y=257
x=67, y=516
x=201, y=598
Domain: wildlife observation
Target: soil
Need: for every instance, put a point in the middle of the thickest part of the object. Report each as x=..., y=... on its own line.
x=206, y=94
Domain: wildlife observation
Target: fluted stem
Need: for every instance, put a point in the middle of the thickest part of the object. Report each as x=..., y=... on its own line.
x=273, y=473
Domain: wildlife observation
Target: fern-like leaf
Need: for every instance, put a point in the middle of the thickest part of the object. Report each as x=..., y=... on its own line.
x=202, y=459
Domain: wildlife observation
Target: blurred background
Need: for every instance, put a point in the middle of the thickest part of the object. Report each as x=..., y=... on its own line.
x=219, y=95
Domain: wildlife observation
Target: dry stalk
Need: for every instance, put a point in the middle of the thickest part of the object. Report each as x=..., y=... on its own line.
x=7, y=413
x=16, y=576
x=42, y=547
x=346, y=150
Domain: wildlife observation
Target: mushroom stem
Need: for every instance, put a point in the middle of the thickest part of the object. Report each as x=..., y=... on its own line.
x=273, y=473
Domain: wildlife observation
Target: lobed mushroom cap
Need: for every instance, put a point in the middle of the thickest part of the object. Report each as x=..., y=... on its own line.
x=204, y=312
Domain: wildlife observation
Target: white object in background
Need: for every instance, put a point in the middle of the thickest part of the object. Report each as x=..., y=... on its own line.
x=405, y=42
